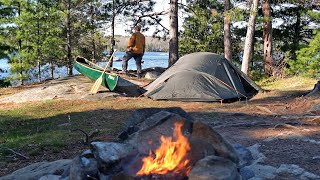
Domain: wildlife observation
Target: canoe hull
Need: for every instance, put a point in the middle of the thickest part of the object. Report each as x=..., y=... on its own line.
x=93, y=72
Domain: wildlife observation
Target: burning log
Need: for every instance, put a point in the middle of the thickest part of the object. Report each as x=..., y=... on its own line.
x=169, y=176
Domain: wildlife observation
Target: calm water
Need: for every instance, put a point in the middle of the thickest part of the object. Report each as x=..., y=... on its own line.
x=151, y=59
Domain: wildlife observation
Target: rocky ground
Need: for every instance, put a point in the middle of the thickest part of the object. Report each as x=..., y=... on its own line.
x=77, y=87
x=282, y=130
x=285, y=133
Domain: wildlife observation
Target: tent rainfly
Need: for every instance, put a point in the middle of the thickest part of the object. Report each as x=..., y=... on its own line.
x=202, y=76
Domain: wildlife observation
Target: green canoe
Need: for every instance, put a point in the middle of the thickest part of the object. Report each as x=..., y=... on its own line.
x=94, y=71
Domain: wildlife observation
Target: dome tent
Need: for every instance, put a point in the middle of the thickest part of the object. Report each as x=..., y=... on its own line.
x=202, y=76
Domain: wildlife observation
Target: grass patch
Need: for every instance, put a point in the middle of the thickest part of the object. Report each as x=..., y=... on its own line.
x=288, y=84
x=55, y=124
x=293, y=86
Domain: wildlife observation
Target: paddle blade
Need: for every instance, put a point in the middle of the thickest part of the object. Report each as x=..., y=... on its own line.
x=96, y=86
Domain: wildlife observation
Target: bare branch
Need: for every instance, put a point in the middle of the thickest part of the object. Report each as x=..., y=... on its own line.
x=11, y=150
x=155, y=19
x=86, y=139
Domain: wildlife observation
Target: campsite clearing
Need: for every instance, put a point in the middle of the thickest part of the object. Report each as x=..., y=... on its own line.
x=282, y=121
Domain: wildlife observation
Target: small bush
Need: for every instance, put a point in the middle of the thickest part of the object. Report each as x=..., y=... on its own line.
x=5, y=83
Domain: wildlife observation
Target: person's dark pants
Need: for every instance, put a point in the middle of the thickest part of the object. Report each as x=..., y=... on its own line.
x=137, y=58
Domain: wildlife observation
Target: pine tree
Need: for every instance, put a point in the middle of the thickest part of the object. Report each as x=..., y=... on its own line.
x=203, y=28
x=308, y=58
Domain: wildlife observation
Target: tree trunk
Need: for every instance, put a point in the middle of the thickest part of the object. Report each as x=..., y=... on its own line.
x=39, y=70
x=173, y=32
x=227, y=31
x=249, y=38
x=51, y=70
x=69, y=46
x=92, y=32
x=316, y=89
x=267, y=37
x=296, y=39
x=38, y=46
x=112, y=35
x=20, y=48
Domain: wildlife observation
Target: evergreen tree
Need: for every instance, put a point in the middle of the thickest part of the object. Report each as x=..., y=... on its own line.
x=94, y=19
x=73, y=26
x=18, y=66
x=6, y=15
x=294, y=30
x=308, y=57
x=33, y=36
x=203, y=28
x=40, y=34
x=290, y=32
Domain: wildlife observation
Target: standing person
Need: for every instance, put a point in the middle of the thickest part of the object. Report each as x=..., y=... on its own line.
x=135, y=49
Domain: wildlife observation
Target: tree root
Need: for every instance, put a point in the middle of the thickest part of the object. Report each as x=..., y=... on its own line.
x=315, y=90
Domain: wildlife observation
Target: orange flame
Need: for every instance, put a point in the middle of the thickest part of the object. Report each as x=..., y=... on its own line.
x=169, y=157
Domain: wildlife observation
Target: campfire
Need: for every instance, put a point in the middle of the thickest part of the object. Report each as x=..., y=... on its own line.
x=161, y=144
x=170, y=157
x=157, y=144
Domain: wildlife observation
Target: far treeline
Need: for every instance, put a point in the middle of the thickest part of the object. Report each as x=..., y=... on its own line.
x=264, y=38
x=152, y=44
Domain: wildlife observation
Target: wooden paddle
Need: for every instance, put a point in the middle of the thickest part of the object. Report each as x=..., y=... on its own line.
x=98, y=82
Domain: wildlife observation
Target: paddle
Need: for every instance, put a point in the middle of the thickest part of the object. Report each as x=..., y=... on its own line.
x=98, y=82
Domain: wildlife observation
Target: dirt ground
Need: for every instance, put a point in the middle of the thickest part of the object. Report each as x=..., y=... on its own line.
x=286, y=129
x=285, y=126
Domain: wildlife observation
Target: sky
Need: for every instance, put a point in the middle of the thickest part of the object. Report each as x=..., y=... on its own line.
x=121, y=27
x=161, y=5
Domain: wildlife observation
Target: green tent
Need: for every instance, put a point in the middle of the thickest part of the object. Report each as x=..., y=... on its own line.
x=202, y=76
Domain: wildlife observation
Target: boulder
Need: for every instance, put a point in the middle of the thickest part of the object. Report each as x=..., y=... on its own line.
x=83, y=167
x=245, y=156
x=152, y=75
x=210, y=140
x=50, y=177
x=214, y=168
x=132, y=125
x=111, y=155
x=160, y=124
x=38, y=170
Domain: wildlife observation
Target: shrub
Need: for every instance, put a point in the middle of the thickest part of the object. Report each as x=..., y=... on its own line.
x=5, y=83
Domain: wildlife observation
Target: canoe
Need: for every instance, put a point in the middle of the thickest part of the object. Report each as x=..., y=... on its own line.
x=111, y=81
x=93, y=71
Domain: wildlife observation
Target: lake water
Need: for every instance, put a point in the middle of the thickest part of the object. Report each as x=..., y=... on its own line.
x=150, y=59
